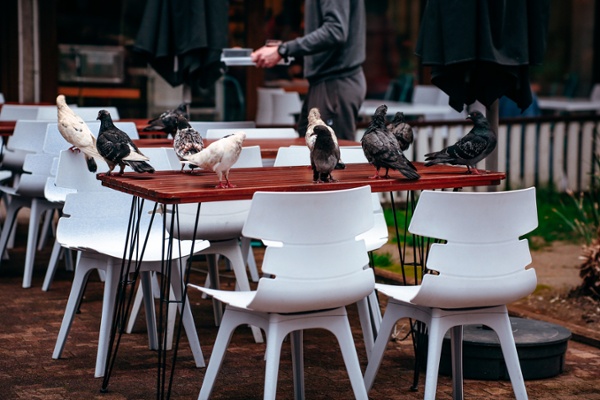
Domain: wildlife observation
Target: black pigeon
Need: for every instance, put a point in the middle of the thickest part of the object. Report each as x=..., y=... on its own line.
x=187, y=140
x=402, y=131
x=382, y=149
x=117, y=148
x=470, y=149
x=163, y=123
x=324, y=155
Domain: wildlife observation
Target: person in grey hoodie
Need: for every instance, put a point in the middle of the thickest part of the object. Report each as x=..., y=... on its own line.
x=333, y=47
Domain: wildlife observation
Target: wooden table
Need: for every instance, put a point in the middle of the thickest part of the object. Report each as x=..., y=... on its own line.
x=171, y=188
x=174, y=187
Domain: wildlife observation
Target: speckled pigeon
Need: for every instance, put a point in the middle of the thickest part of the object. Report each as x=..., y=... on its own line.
x=187, y=140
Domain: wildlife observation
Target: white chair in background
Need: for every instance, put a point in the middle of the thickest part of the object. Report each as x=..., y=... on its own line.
x=96, y=223
x=264, y=107
x=377, y=236
x=286, y=106
x=479, y=270
x=203, y=126
x=29, y=193
x=15, y=112
x=255, y=133
x=2, y=101
x=316, y=254
x=86, y=113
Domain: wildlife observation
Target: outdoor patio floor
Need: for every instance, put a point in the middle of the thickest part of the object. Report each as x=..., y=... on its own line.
x=31, y=320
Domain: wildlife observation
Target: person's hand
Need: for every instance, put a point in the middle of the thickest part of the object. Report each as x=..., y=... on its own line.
x=266, y=57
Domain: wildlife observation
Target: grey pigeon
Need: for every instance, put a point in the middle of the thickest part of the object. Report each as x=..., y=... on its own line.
x=324, y=155
x=163, y=123
x=187, y=140
x=117, y=148
x=219, y=156
x=382, y=149
x=75, y=131
x=470, y=149
x=402, y=131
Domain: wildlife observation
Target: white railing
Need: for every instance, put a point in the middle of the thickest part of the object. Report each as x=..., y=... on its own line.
x=553, y=151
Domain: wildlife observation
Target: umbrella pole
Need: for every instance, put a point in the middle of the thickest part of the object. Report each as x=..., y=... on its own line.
x=491, y=161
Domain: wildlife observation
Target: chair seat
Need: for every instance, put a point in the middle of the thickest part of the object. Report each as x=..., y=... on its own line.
x=403, y=293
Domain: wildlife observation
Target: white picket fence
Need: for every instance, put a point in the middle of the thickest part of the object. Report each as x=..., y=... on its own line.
x=543, y=151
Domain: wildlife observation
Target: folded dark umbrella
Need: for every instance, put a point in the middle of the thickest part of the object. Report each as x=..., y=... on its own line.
x=482, y=49
x=183, y=39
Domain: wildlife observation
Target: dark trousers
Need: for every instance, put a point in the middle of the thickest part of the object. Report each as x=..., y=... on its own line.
x=338, y=100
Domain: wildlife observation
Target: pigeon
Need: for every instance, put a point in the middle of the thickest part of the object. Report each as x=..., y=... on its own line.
x=402, y=131
x=187, y=140
x=314, y=119
x=382, y=149
x=75, y=131
x=324, y=155
x=470, y=149
x=117, y=148
x=219, y=157
x=168, y=125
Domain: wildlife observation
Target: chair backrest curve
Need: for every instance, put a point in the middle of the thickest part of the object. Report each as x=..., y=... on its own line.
x=483, y=261
x=319, y=264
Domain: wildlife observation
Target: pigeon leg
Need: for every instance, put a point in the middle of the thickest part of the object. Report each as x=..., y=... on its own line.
x=387, y=175
x=74, y=149
x=121, y=169
x=376, y=176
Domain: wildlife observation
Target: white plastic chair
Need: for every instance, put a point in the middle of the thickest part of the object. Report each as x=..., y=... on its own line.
x=317, y=254
x=368, y=309
x=264, y=106
x=285, y=106
x=15, y=112
x=203, y=126
x=86, y=113
x=255, y=133
x=480, y=269
x=95, y=223
x=29, y=193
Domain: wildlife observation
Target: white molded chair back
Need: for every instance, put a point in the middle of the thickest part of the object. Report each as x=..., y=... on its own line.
x=86, y=113
x=255, y=133
x=285, y=106
x=15, y=112
x=292, y=156
x=314, y=257
x=54, y=142
x=483, y=251
x=203, y=126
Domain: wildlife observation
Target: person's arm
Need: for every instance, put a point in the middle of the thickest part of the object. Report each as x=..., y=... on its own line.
x=332, y=32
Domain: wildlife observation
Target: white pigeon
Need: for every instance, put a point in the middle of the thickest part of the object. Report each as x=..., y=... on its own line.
x=314, y=119
x=75, y=131
x=220, y=156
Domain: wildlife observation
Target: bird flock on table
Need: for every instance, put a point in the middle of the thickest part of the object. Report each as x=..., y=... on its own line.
x=383, y=144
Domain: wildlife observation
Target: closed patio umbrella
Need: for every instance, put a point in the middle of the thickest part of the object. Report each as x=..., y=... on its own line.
x=183, y=39
x=482, y=49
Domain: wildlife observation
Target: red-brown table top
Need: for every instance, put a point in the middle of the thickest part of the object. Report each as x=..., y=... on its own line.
x=175, y=187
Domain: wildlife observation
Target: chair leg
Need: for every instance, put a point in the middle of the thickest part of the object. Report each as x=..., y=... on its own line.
x=52, y=265
x=502, y=327
x=232, y=318
x=297, y=338
x=144, y=292
x=437, y=330
x=111, y=286
x=383, y=337
x=9, y=222
x=38, y=209
x=366, y=325
x=77, y=288
x=456, y=340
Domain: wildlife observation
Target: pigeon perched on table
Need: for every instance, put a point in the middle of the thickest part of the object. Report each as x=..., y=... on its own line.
x=470, y=149
x=163, y=123
x=402, y=131
x=116, y=147
x=219, y=157
x=314, y=119
x=324, y=155
x=187, y=140
x=75, y=131
x=382, y=149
